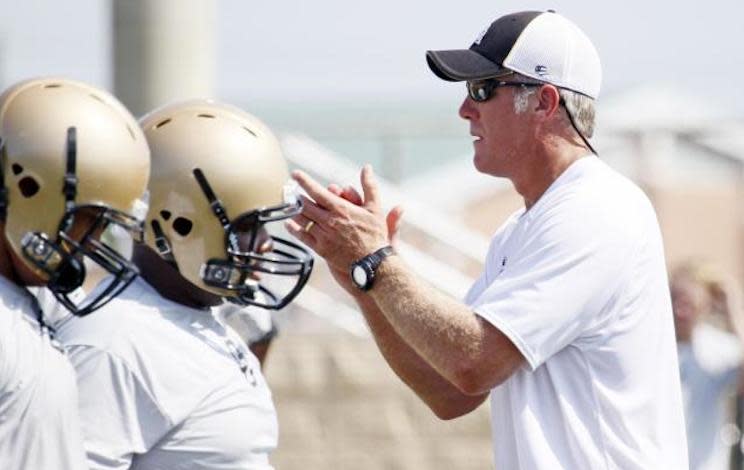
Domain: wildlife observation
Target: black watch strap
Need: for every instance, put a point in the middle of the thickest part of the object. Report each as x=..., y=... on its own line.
x=380, y=255
x=368, y=266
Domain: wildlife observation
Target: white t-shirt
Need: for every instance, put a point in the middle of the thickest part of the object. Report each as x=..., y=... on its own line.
x=39, y=425
x=250, y=322
x=161, y=388
x=578, y=283
x=55, y=314
x=709, y=366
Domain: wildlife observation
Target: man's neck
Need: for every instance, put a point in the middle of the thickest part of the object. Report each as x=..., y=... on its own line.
x=546, y=166
x=169, y=283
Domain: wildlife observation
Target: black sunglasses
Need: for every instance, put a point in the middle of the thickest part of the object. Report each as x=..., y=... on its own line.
x=482, y=90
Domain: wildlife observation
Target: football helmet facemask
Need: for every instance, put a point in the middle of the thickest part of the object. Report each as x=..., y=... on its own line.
x=217, y=190
x=74, y=164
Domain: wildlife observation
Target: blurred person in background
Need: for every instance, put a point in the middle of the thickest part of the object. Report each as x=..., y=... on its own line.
x=172, y=386
x=74, y=164
x=710, y=359
x=569, y=328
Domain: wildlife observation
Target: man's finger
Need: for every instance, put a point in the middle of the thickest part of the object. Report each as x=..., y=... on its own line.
x=311, y=210
x=298, y=231
x=348, y=193
x=352, y=195
x=335, y=189
x=305, y=223
x=370, y=188
x=321, y=195
x=393, y=220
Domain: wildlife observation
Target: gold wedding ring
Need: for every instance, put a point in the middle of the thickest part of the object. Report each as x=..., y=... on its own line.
x=309, y=226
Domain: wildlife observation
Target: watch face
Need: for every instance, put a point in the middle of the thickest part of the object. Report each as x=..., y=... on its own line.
x=359, y=275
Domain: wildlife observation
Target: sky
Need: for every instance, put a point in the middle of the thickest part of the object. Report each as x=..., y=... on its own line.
x=342, y=51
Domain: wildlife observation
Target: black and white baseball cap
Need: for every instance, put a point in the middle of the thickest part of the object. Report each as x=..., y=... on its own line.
x=541, y=45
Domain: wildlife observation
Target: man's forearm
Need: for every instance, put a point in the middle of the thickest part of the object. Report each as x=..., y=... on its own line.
x=446, y=334
x=437, y=392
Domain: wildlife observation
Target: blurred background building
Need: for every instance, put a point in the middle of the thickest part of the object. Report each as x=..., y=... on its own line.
x=343, y=84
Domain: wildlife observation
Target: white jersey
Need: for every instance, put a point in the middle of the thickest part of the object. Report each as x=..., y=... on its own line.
x=55, y=314
x=165, y=386
x=578, y=283
x=709, y=366
x=252, y=323
x=39, y=426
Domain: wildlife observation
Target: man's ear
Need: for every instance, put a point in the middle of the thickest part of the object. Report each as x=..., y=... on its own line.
x=548, y=101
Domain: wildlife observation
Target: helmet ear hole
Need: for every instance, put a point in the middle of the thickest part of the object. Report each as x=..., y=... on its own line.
x=166, y=215
x=17, y=169
x=182, y=226
x=28, y=186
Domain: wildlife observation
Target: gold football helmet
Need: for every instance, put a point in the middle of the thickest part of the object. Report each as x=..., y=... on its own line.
x=219, y=183
x=74, y=163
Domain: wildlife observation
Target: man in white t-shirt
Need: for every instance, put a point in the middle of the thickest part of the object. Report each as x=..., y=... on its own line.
x=167, y=385
x=569, y=328
x=55, y=200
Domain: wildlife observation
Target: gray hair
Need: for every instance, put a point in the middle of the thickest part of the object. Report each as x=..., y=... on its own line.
x=581, y=109
x=580, y=106
x=521, y=98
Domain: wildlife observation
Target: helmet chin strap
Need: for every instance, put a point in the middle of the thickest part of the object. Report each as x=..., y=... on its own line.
x=70, y=272
x=217, y=207
x=163, y=244
x=65, y=272
x=70, y=186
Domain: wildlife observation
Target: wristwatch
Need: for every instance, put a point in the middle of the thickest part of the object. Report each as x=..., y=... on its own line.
x=363, y=270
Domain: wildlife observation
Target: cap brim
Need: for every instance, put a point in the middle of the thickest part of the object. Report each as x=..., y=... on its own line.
x=462, y=64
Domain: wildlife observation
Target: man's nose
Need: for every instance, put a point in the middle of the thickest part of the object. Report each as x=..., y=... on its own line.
x=467, y=109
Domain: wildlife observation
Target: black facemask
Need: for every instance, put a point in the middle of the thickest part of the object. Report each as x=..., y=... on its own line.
x=265, y=278
x=62, y=259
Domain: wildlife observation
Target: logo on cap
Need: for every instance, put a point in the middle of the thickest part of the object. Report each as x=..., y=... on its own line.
x=541, y=70
x=480, y=36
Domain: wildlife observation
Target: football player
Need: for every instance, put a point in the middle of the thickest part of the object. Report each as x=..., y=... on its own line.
x=174, y=386
x=73, y=164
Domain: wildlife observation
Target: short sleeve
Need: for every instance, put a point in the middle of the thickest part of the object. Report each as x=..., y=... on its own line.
x=118, y=416
x=476, y=289
x=559, y=276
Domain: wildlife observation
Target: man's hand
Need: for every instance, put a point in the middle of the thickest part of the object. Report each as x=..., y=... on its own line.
x=343, y=225
x=393, y=220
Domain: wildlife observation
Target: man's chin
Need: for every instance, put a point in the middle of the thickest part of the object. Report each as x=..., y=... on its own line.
x=484, y=165
x=479, y=162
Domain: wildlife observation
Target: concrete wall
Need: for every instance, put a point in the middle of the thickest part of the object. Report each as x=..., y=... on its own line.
x=341, y=407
